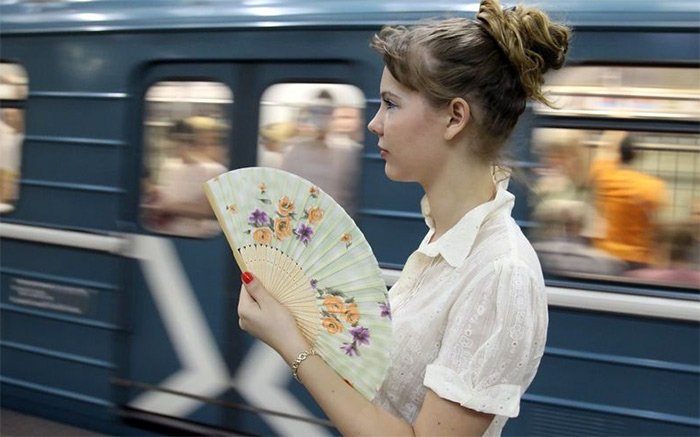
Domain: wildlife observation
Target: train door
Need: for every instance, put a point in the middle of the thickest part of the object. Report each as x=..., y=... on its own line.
x=185, y=360
x=175, y=310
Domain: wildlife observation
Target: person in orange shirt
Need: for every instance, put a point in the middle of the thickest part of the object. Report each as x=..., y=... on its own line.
x=628, y=200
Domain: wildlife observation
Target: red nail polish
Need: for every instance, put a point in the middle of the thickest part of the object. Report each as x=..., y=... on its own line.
x=247, y=277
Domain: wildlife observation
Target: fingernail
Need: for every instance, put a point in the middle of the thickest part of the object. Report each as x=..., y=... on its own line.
x=247, y=277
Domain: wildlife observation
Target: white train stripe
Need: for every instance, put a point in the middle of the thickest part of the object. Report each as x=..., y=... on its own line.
x=619, y=303
x=204, y=371
x=264, y=368
x=82, y=240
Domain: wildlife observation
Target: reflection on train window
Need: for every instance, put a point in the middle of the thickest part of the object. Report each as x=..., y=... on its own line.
x=185, y=136
x=315, y=131
x=661, y=93
x=623, y=204
x=13, y=93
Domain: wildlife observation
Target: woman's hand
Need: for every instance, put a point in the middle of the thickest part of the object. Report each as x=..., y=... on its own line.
x=262, y=316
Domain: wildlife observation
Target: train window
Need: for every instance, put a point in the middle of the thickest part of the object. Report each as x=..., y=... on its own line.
x=621, y=204
x=315, y=131
x=13, y=93
x=185, y=137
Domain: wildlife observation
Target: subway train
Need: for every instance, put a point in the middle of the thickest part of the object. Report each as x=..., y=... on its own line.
x=119, y=315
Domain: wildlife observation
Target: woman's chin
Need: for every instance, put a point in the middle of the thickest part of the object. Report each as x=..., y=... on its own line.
x=394, y=175
x=390, y=174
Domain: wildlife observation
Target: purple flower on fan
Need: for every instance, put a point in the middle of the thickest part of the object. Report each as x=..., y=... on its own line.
x=385, y=311
x=314, y=283
x=258, y=218
x=304, y=233
x=360, y=335
x=349, y=349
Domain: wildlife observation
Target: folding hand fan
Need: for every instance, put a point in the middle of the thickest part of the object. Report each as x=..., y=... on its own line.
x=311, y=256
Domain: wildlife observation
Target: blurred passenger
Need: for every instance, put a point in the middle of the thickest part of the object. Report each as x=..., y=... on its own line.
x=682, y=268
x=178, y=204
x=276, y=135
x=565, y=250
x=13, y=82
x=563, y=159
x=11, y=136
x=563, y=177
x=627, y=200
x=346, y=128
x=693, y=223
x=334, y=169
x=208, y=134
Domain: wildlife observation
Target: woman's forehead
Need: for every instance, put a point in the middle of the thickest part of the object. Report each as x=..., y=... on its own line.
x=389, y=84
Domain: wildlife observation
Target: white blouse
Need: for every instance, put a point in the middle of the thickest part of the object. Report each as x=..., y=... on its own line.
x=469, y=317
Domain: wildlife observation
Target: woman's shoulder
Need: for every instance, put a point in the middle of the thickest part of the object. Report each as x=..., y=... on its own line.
x=502, y=243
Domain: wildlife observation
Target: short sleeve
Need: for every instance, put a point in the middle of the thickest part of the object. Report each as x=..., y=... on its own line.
x=492, y=345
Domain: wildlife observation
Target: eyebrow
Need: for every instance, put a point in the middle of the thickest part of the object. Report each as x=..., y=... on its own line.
x=388, y=94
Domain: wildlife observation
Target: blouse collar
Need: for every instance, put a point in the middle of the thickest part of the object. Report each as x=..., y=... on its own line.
x=456, y=244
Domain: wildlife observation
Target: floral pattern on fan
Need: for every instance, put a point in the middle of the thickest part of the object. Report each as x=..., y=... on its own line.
x=339, y=311
x=283, y=223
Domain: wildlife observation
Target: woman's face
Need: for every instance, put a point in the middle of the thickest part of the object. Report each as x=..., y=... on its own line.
x=410, y=132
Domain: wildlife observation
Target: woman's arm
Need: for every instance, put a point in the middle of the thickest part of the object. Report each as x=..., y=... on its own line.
x=268, y=320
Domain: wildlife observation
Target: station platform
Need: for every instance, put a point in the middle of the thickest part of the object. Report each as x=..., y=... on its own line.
x=14, y=424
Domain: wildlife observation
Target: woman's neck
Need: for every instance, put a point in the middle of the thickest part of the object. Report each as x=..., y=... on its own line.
x=456, y=191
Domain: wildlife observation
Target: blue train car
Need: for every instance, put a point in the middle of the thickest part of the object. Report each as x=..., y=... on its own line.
x=117, y=317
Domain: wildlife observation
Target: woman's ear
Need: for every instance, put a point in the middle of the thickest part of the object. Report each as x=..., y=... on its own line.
x=459, y=114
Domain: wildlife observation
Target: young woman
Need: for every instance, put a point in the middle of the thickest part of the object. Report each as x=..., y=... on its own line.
x=469, y=311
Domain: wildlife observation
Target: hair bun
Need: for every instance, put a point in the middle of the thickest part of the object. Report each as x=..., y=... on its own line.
x=532, y=42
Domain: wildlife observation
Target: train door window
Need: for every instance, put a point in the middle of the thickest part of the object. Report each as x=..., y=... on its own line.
x=185, y=136
x=618, y=203
x=13, y=94
x=315, y=131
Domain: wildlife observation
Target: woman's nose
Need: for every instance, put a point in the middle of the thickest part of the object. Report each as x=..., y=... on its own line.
x=374, y=125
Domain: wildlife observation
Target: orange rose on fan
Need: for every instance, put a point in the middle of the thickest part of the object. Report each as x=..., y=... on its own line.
x=352, y=314
x=315, y=215
x=331, y=325
x=283, y=227
x=285, y=206
x=262, y=235
x=334, y=304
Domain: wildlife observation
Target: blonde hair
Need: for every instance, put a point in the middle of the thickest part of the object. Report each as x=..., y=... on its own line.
x=202, y=123
x=495, y=62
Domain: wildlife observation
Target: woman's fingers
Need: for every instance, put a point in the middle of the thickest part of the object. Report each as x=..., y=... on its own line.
x=262, y=316
x=246, y=304
x=255, y=288
x=252, y=302
x=245, y=300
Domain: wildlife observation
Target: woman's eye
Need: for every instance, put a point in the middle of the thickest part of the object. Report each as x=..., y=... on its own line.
x=389, y=103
